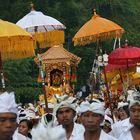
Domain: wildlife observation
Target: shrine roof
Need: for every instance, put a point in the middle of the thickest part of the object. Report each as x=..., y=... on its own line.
x=58, y=53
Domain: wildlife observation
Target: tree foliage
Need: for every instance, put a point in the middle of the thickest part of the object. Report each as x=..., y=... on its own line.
x=21, y=75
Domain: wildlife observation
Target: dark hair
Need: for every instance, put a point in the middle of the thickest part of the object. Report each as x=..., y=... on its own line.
x=74, y=112
x=29, y=123
x=126, y=109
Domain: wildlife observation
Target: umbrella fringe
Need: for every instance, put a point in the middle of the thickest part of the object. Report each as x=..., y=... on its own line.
x=17, y=48
x=94, y=38
x=49, y=39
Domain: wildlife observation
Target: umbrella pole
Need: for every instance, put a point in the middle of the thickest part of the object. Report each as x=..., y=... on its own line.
x=127, y=82
x=124, y=88
x=106, y=82
x=107, y=87
x=1, y=73
x=43, y=83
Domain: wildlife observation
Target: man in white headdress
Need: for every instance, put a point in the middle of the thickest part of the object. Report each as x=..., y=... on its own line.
x=92, y=115
x=65, y=112
x=133, y=133
x=120, y=127
x=123, y=110
x=8, y=117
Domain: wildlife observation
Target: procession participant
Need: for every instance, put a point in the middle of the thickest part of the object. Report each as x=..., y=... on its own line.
x=8, y=116
x=45, y=130
x=65, y=113
x=123, y=110
x=92, y=115
x=25, y=126
x=133, y=133
x=120, y=127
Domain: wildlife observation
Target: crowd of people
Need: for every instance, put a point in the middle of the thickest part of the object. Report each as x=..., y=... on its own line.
x=71, y=120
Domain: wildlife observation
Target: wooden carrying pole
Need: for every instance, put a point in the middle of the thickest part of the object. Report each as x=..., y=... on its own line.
x=1, y=74
x=43, y=82
x=107, y=88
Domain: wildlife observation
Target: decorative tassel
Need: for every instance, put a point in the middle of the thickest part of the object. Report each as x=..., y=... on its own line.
x=95, y=37
x=50, y=38
x=17, y=47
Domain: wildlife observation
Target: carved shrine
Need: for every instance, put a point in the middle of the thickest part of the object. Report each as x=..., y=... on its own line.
x=60, y=69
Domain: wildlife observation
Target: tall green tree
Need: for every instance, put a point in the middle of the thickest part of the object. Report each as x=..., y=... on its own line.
x=21, y=76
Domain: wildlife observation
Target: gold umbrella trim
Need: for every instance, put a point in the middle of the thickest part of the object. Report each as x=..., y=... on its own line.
x=97, y=28
x=15, y=43
x=50, y=38
x=95, y=38
x=16, y=48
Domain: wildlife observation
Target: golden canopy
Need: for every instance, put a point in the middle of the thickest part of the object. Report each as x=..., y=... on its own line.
x=97, y=28
x=15, y=42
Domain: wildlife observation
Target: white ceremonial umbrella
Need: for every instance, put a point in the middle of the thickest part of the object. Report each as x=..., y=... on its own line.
x=36, y=21
x=45, y=29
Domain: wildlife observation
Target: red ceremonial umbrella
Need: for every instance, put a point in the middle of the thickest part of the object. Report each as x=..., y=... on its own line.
x=124, y=56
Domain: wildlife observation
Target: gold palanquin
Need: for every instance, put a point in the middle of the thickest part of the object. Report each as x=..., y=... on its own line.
x=60, y=68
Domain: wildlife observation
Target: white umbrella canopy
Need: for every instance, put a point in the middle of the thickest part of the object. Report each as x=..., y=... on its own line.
x=36, y=21
x=46, y=30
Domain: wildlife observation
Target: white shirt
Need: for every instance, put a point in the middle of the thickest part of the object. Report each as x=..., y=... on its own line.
x=18, y=136
x=77, y=129
x=103, y=136
x=120, y=127
x=28, y=138
x=126, y=136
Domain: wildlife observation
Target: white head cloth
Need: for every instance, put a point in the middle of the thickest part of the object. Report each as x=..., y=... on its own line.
x=122, y=104
x=95, y=107
x=65, y=101
x=135, y=99
x=7, y=103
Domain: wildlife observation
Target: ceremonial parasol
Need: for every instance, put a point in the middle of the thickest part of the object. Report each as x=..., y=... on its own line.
x=126, y=55
x=134, y=79
x=97, y=29
x=15, y=43
x=46, y=30
x=113, y=70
